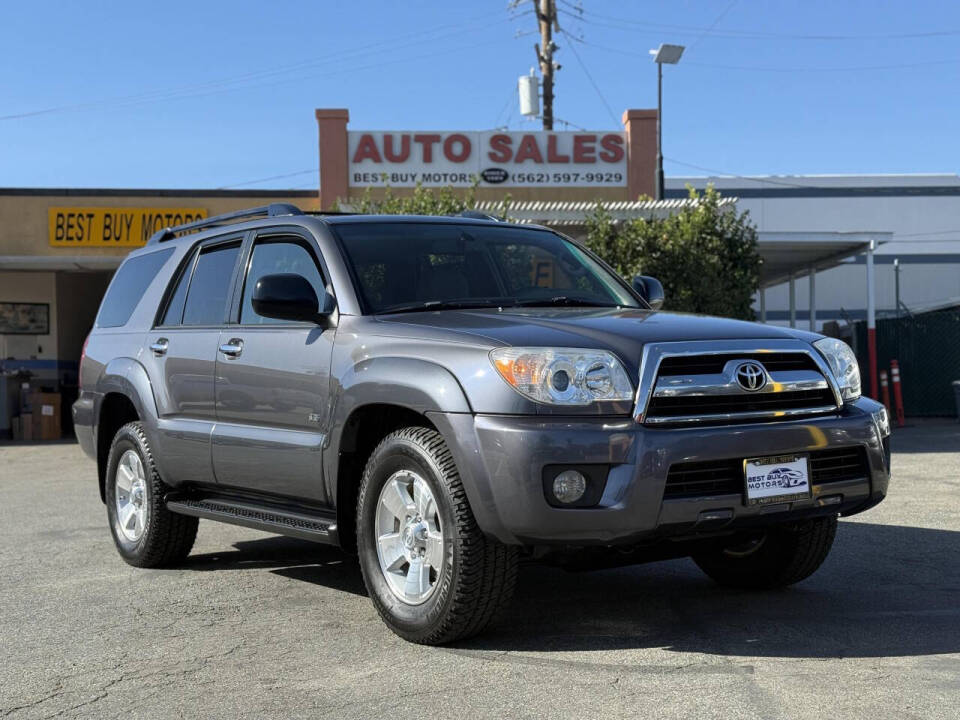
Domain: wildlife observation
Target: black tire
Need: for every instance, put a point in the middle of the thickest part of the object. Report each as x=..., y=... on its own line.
x=478, y=575
x=781, y=556
x=166, y=537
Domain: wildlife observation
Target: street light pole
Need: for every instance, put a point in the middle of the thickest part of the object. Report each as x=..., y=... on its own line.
x=659, y=185
x=669, y=54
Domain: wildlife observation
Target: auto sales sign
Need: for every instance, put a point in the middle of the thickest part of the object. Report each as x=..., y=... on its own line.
x=510, y=159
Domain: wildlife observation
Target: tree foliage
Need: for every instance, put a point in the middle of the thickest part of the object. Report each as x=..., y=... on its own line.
x=706, y=256
x=423, y=201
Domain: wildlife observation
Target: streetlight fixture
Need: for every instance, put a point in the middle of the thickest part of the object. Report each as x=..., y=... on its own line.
x=669, y=54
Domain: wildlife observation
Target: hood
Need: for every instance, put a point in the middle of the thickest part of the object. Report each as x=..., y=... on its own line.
x=622, y=331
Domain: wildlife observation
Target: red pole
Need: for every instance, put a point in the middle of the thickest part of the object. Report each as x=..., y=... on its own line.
x=897, y=394
x=885, y=389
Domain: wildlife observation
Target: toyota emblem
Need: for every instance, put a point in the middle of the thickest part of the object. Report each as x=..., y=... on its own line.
x=750, y=376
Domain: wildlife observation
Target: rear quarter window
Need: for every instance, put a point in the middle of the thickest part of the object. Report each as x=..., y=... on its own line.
x=127, y=287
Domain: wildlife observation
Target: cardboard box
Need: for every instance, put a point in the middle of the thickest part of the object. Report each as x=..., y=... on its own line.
x=45, y=412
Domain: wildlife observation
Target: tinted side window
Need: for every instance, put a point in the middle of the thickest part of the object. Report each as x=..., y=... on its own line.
x=207, y=297
x=128, y=286
x=273, y=257
x=174, y=312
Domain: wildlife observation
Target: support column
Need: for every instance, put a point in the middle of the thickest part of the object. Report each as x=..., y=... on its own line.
x=793, y=301
x=763, y=304
x=641, y=129
x=332, y=126
x=871, y=323
x=813, y=299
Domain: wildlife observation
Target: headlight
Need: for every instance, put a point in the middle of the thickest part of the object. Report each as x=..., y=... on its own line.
x=844, y=365
x=563, y=376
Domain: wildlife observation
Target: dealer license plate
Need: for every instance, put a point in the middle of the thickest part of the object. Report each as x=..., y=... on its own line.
x=778, y=479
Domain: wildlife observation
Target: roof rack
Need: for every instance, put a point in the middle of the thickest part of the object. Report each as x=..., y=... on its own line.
x=271, y=210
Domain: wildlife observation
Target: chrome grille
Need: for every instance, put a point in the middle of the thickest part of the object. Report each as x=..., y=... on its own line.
x=706, y=364
x=697, y=383
x=672, y=407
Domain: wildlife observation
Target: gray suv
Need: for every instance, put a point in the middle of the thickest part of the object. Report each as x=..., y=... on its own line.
x=447, y=396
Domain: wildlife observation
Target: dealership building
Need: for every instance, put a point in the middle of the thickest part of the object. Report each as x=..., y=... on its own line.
x=835, y=248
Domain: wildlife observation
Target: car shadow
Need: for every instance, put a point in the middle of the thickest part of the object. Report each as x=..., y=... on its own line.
x=884, y=590
x=289, y=557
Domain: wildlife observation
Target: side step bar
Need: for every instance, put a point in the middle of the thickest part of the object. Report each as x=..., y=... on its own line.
x=319, y=527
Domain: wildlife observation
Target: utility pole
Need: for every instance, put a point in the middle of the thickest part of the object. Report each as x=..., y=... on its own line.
x=546, y=11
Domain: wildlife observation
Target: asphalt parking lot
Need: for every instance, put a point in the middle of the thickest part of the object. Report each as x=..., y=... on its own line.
x=259, y=626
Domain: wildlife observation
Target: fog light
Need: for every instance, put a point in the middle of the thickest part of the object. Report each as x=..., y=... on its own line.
x=569, y=486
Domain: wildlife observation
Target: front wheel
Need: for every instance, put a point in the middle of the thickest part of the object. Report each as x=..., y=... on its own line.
x=776, y=558
x=432, y=575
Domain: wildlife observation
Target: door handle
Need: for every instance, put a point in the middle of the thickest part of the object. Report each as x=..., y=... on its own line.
x=232, y=348
x=159, y=346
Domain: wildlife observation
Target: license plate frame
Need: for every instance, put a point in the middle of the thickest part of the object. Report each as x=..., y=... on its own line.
x=776, y=479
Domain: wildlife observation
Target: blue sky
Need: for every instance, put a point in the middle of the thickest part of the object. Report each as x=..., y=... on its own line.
x=214, y=94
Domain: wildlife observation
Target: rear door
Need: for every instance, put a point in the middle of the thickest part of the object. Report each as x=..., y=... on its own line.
x=273, y=381
x=181, y=357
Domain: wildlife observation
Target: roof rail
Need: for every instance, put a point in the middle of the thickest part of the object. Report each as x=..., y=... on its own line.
x=478, y=215
x=271, y=210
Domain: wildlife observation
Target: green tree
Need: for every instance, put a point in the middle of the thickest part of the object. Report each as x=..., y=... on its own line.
x=446, y=200
x=706, y=255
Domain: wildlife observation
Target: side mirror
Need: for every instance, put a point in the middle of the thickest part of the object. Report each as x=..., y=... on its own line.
x=288, y=296
x=650, y=289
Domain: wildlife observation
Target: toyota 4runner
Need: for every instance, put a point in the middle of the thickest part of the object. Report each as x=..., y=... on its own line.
x=444, y=396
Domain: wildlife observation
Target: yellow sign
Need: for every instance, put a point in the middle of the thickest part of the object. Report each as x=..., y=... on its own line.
x=113, y=227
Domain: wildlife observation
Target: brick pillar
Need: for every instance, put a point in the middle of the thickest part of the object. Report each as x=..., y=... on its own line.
x=332, y=126
x=641, y=129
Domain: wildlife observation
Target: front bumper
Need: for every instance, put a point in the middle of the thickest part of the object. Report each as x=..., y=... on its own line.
x=501, y=460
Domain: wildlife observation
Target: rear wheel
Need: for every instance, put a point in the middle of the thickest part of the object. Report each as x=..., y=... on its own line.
x=145, y=532
x=776, y=558
x=432, y=575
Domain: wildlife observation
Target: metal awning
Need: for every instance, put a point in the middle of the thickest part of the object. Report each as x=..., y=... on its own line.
x=787, y=254
x=566, y=212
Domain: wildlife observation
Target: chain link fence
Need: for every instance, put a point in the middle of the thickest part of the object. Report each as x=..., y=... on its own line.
x=927, y=347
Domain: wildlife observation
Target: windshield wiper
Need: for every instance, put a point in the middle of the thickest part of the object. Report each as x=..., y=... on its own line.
x=561, y=300
x=431, y=305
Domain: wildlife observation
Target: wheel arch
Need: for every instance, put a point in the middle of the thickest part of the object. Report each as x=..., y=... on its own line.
x=126, y=396
x=359, y=435
x=374, y=397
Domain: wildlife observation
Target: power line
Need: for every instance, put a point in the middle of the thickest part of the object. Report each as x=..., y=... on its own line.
x=224, y=84
x=719, y=66
x=586, y=72
x=267, y=179
x=712, y=25
x=588, y=15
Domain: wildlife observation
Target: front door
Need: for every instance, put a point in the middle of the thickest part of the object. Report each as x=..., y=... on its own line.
x=272, y=383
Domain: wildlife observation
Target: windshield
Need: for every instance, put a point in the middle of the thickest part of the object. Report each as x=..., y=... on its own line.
x=404, y=267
